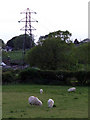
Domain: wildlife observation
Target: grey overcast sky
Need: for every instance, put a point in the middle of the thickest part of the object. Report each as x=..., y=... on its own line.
x=52, y=15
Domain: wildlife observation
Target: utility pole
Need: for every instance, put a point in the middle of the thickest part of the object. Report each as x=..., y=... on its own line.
x=28, y=27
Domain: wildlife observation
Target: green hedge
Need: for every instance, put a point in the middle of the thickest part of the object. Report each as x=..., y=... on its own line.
x=35, y=76
x=10, y=76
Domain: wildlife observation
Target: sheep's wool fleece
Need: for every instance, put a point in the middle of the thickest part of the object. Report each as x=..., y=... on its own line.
x=34, y=101
x=41, y=91
x=71, y=89
x=50, y=103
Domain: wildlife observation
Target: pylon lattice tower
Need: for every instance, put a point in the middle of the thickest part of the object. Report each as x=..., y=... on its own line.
x=28, y=27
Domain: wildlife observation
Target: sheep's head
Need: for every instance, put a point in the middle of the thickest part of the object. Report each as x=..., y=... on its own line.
x=39, y=103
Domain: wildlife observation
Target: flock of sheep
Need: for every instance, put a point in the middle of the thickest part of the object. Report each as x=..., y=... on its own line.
x=35, y=101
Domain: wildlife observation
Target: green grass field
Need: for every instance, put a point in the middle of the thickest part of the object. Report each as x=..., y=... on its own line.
x=68, y=105
x=15, y=55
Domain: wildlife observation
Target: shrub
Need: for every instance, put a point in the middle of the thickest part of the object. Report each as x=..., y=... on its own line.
x=10, y=76
x=47, y=77
x=7, y=77
x=36, y=76
x=72, y=81
x=29, y=75
x=81, y=77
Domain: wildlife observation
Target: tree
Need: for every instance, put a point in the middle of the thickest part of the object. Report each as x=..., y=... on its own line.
x=82, y=53
x=63, y=35
x=17, y=42
x=52, y=54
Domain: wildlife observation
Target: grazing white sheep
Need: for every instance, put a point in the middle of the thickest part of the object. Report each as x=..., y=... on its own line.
x=72, y=89
x=41, y=91
x=34, y=101
x=2, y=64
x=50, y=103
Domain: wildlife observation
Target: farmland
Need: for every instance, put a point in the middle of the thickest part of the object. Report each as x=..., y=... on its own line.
x=68, y=105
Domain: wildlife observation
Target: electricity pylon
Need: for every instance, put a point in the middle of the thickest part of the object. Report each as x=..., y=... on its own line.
x=28, y=27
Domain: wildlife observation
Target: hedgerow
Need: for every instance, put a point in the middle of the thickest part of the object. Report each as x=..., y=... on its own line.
x=47, y=77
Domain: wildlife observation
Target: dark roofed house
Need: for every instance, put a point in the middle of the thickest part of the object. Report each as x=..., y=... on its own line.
x=77, y=43
x=85, y=41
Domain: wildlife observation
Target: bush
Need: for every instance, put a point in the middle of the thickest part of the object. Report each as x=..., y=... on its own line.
x=72, y=81
x=81, y=77
x=29, y=75
x=7, y=77
x=51, y=54
x=36, y=76
x=10, y=76
x=46, y=77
